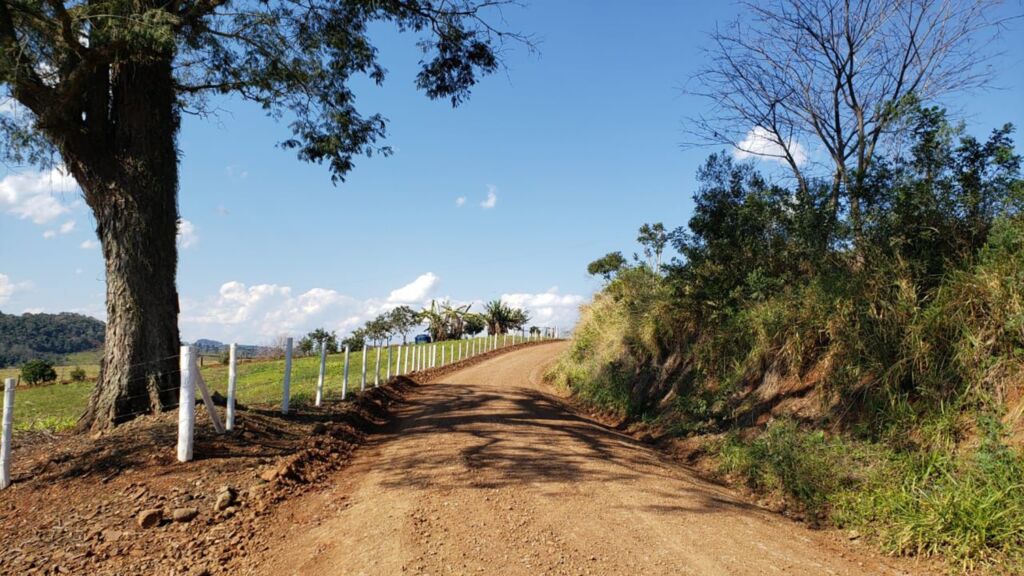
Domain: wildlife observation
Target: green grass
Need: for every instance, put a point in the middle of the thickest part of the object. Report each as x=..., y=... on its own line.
x=88, y=360
x=56, y=407
x=967, y=507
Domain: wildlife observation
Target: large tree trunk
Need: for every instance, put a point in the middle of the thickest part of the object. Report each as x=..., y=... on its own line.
x=133, y=195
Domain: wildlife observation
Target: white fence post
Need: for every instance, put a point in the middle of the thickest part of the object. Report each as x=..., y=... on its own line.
x=433, y=356
x=232, y=380
x=8, y=429
x=442, y=355
x=362, y=383
x=376, y=369
x=323, y=371
x=388, y=376
x=287, y=393
x=344, y=379
x=405, y=367
x=186, y=406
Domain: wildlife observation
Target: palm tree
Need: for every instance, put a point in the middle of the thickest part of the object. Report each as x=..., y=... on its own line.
x=502, y=318
x=496, y=314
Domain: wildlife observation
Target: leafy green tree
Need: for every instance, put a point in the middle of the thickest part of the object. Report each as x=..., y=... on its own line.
x=518, y=319
x=653, y=238
x=379, y=329
x=317, y=339
x=356, y=340
x=38, y=372
x=101, y=87
x=937, y=203
x=305, y=346
x=474, y=324
x=607, y=266
x=742, y=241
x=403, y=319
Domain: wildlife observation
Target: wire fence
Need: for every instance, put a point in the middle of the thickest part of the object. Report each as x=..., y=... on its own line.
x=306, y=380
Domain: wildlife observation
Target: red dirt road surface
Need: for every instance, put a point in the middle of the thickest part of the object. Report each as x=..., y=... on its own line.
x=488, y=471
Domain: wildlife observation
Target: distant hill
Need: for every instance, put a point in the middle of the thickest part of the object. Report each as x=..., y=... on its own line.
x=208, y=347
x=46, y=336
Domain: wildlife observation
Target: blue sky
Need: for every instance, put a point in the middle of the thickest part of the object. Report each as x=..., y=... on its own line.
x=578, y=144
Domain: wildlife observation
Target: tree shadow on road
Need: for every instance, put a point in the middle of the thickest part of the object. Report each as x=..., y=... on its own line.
x=519, y=437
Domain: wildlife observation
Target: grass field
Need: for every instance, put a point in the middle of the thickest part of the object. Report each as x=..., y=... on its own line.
x=56, y=407
x=88, y=361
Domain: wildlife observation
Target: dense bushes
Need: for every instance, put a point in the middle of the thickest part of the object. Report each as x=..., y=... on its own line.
x=903, y=341
x=38, y=372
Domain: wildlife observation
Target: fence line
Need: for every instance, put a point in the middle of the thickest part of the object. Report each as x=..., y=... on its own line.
x=399, y=359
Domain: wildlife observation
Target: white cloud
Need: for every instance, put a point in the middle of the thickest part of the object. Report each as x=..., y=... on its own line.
x=89, y=244
x=33, y=195
x=259, y=313
x=8, y=287
x=492, y=197
x=236, y=173
x=416, y=292
x=256, y=314
x=763, y=143
x=37, y=310
x=188, y=236
x=549, y=308
x=65, y=228
x=460, y=201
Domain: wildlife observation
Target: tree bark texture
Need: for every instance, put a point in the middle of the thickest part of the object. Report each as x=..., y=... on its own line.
x=133, y=195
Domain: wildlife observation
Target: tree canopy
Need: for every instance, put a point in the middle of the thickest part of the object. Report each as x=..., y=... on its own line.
x=101, y=86
x=61, y=60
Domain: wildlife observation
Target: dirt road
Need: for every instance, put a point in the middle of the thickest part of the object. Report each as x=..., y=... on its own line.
x=487, y=472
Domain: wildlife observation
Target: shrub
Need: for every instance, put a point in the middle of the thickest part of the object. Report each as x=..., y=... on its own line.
x=37, y=372
x=77, y=374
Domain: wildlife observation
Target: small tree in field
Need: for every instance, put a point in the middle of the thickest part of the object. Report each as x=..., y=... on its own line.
x=355, y=341
x=77, y=374
x=38, y=372
x=403, y=319
x=101, y=87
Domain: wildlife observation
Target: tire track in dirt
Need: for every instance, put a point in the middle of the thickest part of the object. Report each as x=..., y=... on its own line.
x=487, y=471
